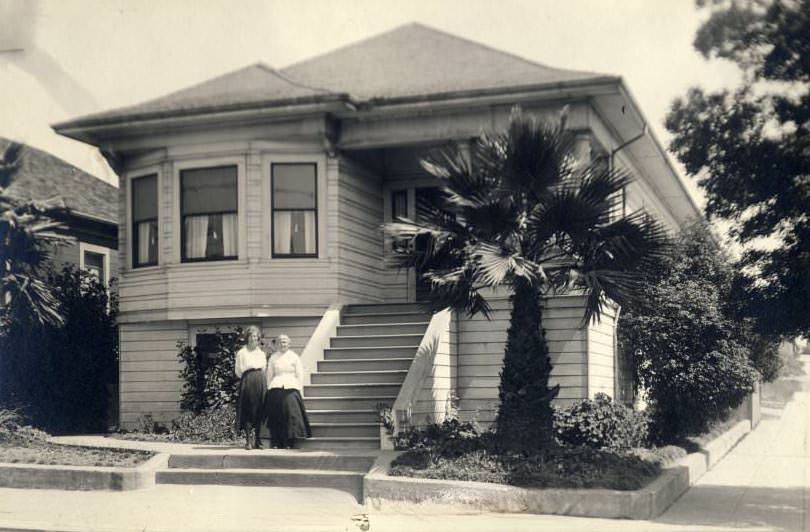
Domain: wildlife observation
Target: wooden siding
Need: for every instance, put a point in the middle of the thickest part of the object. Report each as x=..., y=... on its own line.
x=359, y=234
x=149, y=370
x=579, y=356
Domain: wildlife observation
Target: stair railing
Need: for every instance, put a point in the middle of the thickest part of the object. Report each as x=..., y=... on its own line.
x=435, y=341
x=319, y=341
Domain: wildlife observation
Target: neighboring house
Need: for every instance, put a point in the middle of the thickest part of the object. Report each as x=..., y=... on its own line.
x=92, y=209
x=258, y=196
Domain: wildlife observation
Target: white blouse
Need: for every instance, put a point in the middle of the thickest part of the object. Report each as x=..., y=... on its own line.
x=246, y=359
x=284, y=370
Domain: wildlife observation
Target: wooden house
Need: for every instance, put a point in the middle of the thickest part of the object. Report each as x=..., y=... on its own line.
x=257, y=198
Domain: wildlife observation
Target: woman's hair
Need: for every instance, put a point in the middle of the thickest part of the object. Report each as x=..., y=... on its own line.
x=280, y=336
x=251, y=329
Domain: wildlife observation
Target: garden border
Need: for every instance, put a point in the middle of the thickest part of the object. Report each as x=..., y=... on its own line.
x=62, y=477
x=382, y=492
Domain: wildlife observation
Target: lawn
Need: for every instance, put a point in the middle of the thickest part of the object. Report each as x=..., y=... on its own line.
x=46, y=453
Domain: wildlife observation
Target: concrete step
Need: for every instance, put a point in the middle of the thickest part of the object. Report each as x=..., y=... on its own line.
x=377, y=329
x=365, y=364
x=383, y=317
x=337, y=443
x=343, y=416
x=355, y=377
x=274, y=460
x=345, y=430
x=351, y=390
x=338, y=353
x=347, y=403
x=349, y=481
x=381, y=340
x=382, y=308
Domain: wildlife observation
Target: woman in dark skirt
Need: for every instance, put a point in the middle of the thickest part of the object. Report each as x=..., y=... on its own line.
x=249, y=366
x=286, y=415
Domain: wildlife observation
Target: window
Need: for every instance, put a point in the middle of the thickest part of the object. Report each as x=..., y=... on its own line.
x=295, y=211
x=208, y=208
x=144, y=221
x=95, y=260
x=399, y=209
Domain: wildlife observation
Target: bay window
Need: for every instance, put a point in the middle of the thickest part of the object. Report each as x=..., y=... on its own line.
x=144, y=221
x=294, y=209
x=209, y=214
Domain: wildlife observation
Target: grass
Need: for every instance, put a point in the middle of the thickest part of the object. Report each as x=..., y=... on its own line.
x=45, y=453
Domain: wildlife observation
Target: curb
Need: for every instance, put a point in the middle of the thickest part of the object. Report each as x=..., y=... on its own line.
x=35, y=476
x=383, y=493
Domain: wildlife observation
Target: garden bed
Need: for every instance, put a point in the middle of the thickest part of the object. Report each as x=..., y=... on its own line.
x=45, y=453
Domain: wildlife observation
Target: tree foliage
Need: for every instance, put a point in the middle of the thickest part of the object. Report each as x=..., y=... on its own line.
x=750, y=150
x=28, y=234
x=694, y=357
x=519, y=210
x=61, y=373
x=207, y=372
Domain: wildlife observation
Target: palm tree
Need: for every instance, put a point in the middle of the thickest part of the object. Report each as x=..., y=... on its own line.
x=28, y=236
x=518, y=210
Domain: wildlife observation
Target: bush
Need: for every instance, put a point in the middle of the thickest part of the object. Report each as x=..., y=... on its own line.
x=693, y=354
x=14, y=431
x=208, y=372
x=448, y=439
x=61, y=373
x=214, y=426
x=602, y=424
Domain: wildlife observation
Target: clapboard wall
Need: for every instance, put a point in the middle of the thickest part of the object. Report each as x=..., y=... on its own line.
x=149, y=370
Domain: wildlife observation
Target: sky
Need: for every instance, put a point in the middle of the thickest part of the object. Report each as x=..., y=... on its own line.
x=65, y=58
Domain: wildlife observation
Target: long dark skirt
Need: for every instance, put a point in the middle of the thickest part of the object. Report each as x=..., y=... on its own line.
x=250, y=402
x=286, y=416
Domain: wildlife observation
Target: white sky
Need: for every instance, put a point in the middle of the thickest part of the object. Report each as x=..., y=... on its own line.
x=83, y=56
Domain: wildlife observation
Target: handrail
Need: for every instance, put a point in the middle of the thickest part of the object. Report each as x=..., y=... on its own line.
x=323, y=333
x=421, y=366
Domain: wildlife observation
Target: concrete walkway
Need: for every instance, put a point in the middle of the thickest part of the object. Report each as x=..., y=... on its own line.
x=761, y=485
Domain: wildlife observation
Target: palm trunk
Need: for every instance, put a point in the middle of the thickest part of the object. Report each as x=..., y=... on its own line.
x=525, y=417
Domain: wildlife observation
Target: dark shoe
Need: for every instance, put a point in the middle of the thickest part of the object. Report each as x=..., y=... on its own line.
x=258, y=444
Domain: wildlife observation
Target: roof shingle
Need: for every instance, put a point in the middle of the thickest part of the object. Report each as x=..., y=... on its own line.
x=43, y=176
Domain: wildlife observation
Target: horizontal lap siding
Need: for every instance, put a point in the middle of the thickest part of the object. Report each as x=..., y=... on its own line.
x=150, y=370
x=481, y=350
x=360, y=241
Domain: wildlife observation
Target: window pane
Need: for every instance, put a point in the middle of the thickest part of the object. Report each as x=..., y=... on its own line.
x=146, y=243
x=94, y=264
x=208, y=190
x=294, y=186
x=399, y=204
x=294, y=233
x=144, y=198
x=210, y=236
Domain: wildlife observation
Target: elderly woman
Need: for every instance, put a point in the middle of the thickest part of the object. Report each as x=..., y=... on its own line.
x=286, y=415
x=249, y=367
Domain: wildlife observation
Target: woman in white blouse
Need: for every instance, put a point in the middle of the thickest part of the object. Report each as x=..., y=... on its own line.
x=249, y=367
x=286, y=415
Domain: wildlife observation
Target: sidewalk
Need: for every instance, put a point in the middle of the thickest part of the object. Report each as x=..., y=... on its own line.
x=761, y=485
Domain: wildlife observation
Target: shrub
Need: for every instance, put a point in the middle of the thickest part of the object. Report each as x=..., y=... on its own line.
x=450, y=438
x=208, y=372
x=14, y=431
x=61, y=372
x=217, y=425
x=602, y=424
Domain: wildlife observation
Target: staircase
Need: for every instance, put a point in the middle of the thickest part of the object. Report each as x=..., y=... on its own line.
x=283, y=468
x=365, y=365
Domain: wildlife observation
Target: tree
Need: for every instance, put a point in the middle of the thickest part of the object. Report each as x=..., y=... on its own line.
x=520, y=211
x=750, y=150
x=28, y=235
x=693, y=356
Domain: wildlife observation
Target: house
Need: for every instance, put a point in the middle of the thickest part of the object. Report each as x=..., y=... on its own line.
x=92, y=209
x=257, y=197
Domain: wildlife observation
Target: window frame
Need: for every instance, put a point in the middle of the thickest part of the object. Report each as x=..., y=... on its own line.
x=182, y=225
x=273, y=210
x=85, y=247
x=130, y=199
